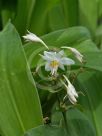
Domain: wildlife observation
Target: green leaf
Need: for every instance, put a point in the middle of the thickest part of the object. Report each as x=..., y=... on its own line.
x=77, y=123
x=86, y=46
x=39, y=20
x=19, y=103
x=23, y=14
x=56, y=18
x=47, y=130
x=91, y=84
x=70, y=8
x=94, y=60
x=88, y=14
x=66, y=36
x=99, y=5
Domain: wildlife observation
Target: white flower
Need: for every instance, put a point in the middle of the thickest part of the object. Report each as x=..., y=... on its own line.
x=77, y=54
x=55, y=60
x=71, y=92
x=33, y=38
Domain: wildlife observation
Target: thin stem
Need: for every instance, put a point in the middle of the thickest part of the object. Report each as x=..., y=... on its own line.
x=65, y=120
x=63, y=113
x=79, y=71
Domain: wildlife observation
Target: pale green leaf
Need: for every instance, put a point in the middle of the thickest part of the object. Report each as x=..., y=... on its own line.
x=19, y=103
x=88, y=14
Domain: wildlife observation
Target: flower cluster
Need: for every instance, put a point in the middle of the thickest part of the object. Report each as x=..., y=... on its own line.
x=55, y=60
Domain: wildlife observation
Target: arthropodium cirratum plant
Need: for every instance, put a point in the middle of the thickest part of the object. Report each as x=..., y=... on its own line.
x=55, y=60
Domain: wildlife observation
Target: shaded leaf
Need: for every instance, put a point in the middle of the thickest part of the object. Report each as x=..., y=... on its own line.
x=90, y=84
x=47, y=130
x=77, y=123
x=24, y=12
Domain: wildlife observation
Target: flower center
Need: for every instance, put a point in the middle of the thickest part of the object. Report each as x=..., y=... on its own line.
x=54, y=64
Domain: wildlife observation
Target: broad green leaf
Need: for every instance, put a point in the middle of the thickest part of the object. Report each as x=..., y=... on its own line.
x=77, y=123
x=24, y=12
x=70, y=8
x=39, y=20
x=67, y=36
x=47, y=130
x=88, y=14
x=86, y=46
x=56, y=18
x=94, y=60
x=19, y=103
x=91, y=84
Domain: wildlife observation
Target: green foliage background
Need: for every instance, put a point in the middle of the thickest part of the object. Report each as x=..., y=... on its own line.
x=76, y=23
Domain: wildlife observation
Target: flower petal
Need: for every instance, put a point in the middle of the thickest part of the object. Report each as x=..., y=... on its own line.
x=72, y=99
x=50, y=55
x=46, y=58
x=71, y=92
x=67, y=61
x=54, y=71
x=60, y=54
x=61, y=66
x=47, y=67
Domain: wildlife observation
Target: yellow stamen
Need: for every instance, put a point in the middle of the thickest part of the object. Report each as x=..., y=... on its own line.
x=54, y=64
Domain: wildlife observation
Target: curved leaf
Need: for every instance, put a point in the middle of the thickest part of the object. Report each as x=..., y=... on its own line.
x=77, y=123
x=19, y=103
x=47, y=130
x=91, y=83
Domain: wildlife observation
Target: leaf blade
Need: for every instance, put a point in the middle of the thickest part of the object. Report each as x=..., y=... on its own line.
x=20, y=112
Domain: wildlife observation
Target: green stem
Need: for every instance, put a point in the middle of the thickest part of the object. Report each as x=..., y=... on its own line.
x=63, y=113
x=65, y=120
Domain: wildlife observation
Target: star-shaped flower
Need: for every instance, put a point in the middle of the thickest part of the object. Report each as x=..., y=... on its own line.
x=56, y=60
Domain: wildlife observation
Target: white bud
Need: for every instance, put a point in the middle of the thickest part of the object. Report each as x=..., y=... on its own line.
x=77, y=54
x=71, y=92
x=33, y=38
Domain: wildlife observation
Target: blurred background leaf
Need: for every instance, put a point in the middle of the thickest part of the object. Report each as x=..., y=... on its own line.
x=43, y=16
